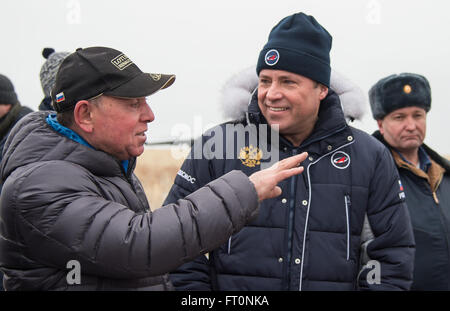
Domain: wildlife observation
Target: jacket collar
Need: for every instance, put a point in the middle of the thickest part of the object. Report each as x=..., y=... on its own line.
x=430, y=152
x=46, y=145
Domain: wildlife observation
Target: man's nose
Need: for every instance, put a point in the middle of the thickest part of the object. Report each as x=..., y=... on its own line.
x=410, y=124
x=273, y=92
x=147, y=114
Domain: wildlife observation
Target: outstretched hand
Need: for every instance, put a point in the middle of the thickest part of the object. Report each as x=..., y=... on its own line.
x=265, y=181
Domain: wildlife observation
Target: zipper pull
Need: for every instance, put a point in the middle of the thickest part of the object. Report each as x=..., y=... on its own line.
x=435, y=198
x=348, y=201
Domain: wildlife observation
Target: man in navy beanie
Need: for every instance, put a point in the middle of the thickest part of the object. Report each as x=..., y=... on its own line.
x=400, y=103
x=343, y=224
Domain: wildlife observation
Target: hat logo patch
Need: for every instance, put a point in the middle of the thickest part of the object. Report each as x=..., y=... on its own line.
x=121, y=61
x=272, y=57
x=407, y=88
x=155, y=76
x=340, y=160
x=60, y=97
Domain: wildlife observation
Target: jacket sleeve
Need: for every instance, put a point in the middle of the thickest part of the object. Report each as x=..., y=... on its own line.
x=194, y=275
x=194, y=173
x=61, y=219
x=391, y=250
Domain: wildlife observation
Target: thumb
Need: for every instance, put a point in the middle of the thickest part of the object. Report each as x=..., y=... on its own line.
x=276, y=191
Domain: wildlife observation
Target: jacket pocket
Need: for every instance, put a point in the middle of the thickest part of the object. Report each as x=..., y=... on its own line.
x=348, y=204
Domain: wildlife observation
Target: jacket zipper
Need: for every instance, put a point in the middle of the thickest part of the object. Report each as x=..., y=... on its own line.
x=291, y=220
x=441, y=214
x=348, y=204
x=309, y=206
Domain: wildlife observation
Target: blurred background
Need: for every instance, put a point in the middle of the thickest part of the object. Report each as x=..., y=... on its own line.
x=206, y=42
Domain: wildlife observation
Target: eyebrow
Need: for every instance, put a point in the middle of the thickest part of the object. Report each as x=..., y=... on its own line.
x=405, y=114
x=279, y=77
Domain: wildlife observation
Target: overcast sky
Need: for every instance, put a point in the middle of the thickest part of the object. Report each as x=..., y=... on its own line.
x=205, y=42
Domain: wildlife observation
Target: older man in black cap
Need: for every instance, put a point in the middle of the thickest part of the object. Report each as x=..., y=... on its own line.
x=400, y=104
x=310, y=238
x=71, y=201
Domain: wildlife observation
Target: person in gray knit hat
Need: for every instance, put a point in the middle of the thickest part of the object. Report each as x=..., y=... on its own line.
x=400, y=103
x=47, y=74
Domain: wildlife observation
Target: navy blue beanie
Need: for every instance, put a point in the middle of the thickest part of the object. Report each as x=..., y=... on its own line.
x=399, y=91
x=298, y=44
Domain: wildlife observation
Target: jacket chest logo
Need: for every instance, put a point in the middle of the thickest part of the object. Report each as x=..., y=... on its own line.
x=340, y=160
x=250, y=156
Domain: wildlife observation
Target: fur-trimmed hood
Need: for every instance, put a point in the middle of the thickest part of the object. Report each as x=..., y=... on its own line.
x=237, y=92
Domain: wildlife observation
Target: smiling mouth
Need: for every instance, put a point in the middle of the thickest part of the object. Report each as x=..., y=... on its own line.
x=276, y=109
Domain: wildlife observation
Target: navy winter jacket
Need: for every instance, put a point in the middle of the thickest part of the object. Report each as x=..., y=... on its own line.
x=429, y=208
x=311, y=237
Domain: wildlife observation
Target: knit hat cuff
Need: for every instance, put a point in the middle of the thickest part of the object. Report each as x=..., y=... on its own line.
x=296, y=62
x=8, y=97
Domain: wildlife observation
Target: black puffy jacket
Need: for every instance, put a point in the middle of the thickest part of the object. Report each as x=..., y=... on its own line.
x=311, y=237
x=63, y=201
x=8, y=121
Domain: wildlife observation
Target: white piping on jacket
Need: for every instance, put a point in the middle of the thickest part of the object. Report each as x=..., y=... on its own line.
x=348, y=226
x=309, y=205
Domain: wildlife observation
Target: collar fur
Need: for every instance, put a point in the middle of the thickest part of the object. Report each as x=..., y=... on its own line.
x=237, y=93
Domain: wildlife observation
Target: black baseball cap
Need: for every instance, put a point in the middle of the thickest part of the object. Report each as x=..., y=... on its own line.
x=94, y=71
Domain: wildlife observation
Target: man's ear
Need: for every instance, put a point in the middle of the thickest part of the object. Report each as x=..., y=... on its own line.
x=82, y=115
x=380, y=126
x=323, y=91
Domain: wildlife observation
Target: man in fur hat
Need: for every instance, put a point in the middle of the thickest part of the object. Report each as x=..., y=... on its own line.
x=343, y=224
x=400, y=104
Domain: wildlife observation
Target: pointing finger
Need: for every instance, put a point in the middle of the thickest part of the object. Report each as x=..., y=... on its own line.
x=290, y=162
x=288, y=173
